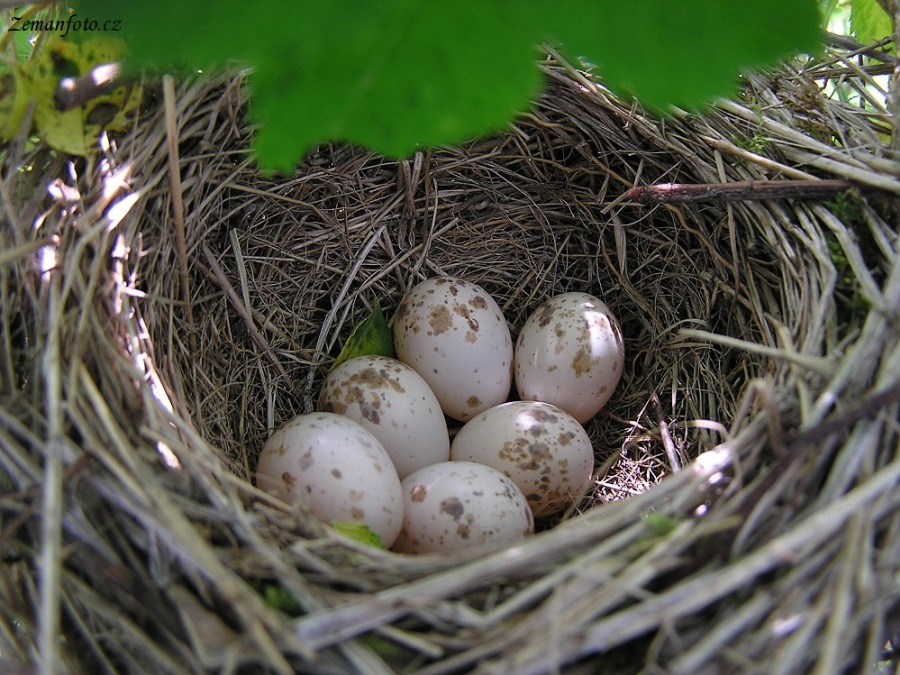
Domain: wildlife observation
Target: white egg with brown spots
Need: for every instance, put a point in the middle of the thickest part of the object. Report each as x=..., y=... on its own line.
x=337, y=469
x=541, y=448
x=570, y=353
x=453, y=506
x=395, y=403
x=454, y=335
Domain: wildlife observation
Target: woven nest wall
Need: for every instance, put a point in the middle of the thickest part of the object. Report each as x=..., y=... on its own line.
x=744, y=515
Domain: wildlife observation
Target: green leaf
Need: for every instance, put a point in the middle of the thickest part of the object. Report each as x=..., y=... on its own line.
x=371, y=337
x=358, y=532
x=869, y=22
x=683, y=53
x=660, y=525
x=396, y=75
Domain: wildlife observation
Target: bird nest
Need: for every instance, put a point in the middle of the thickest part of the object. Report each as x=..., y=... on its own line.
x=164, y=307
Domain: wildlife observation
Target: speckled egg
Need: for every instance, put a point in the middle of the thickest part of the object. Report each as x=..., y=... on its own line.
x=457, y=505
x=395, y=403
x=335, y=467
x=570, y=353
x=454, y=335
x=541, y=448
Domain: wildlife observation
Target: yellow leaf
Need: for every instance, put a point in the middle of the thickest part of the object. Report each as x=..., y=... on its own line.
x=73, y=131
x=12, y=105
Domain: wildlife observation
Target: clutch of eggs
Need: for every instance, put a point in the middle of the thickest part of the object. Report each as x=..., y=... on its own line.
x=381, y=421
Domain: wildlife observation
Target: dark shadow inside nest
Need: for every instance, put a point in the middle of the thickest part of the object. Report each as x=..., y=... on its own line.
x=286, y=268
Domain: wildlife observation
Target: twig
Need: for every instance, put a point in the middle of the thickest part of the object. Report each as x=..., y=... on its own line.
x=667, y=441
x=868, y=407
x=856, y=48
x=72, y=92
x=670, y=193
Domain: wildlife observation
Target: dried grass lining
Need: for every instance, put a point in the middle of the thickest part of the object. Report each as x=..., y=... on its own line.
x=763, y=357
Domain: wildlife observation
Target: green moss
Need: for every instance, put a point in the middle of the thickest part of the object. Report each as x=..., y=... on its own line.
x=852, y=306
x=384, y=648
x=848, y=208
x=756, y=143
x=278, y=598
x=659, y=525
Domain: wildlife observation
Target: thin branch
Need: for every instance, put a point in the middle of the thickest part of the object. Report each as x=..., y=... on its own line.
x=868, y=407
x=747, y=190
x=72, y=92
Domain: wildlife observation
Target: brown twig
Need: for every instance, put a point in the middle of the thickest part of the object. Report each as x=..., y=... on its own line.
x=670, y=193
x=867, y=407
x=76, y=91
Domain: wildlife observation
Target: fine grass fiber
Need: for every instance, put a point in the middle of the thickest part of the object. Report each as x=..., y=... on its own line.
x=165, y=306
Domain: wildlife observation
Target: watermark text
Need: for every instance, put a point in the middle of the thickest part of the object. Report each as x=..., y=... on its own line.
x=63, y=26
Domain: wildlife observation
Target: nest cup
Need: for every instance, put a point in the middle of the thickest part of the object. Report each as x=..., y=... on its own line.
x=744, y=515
